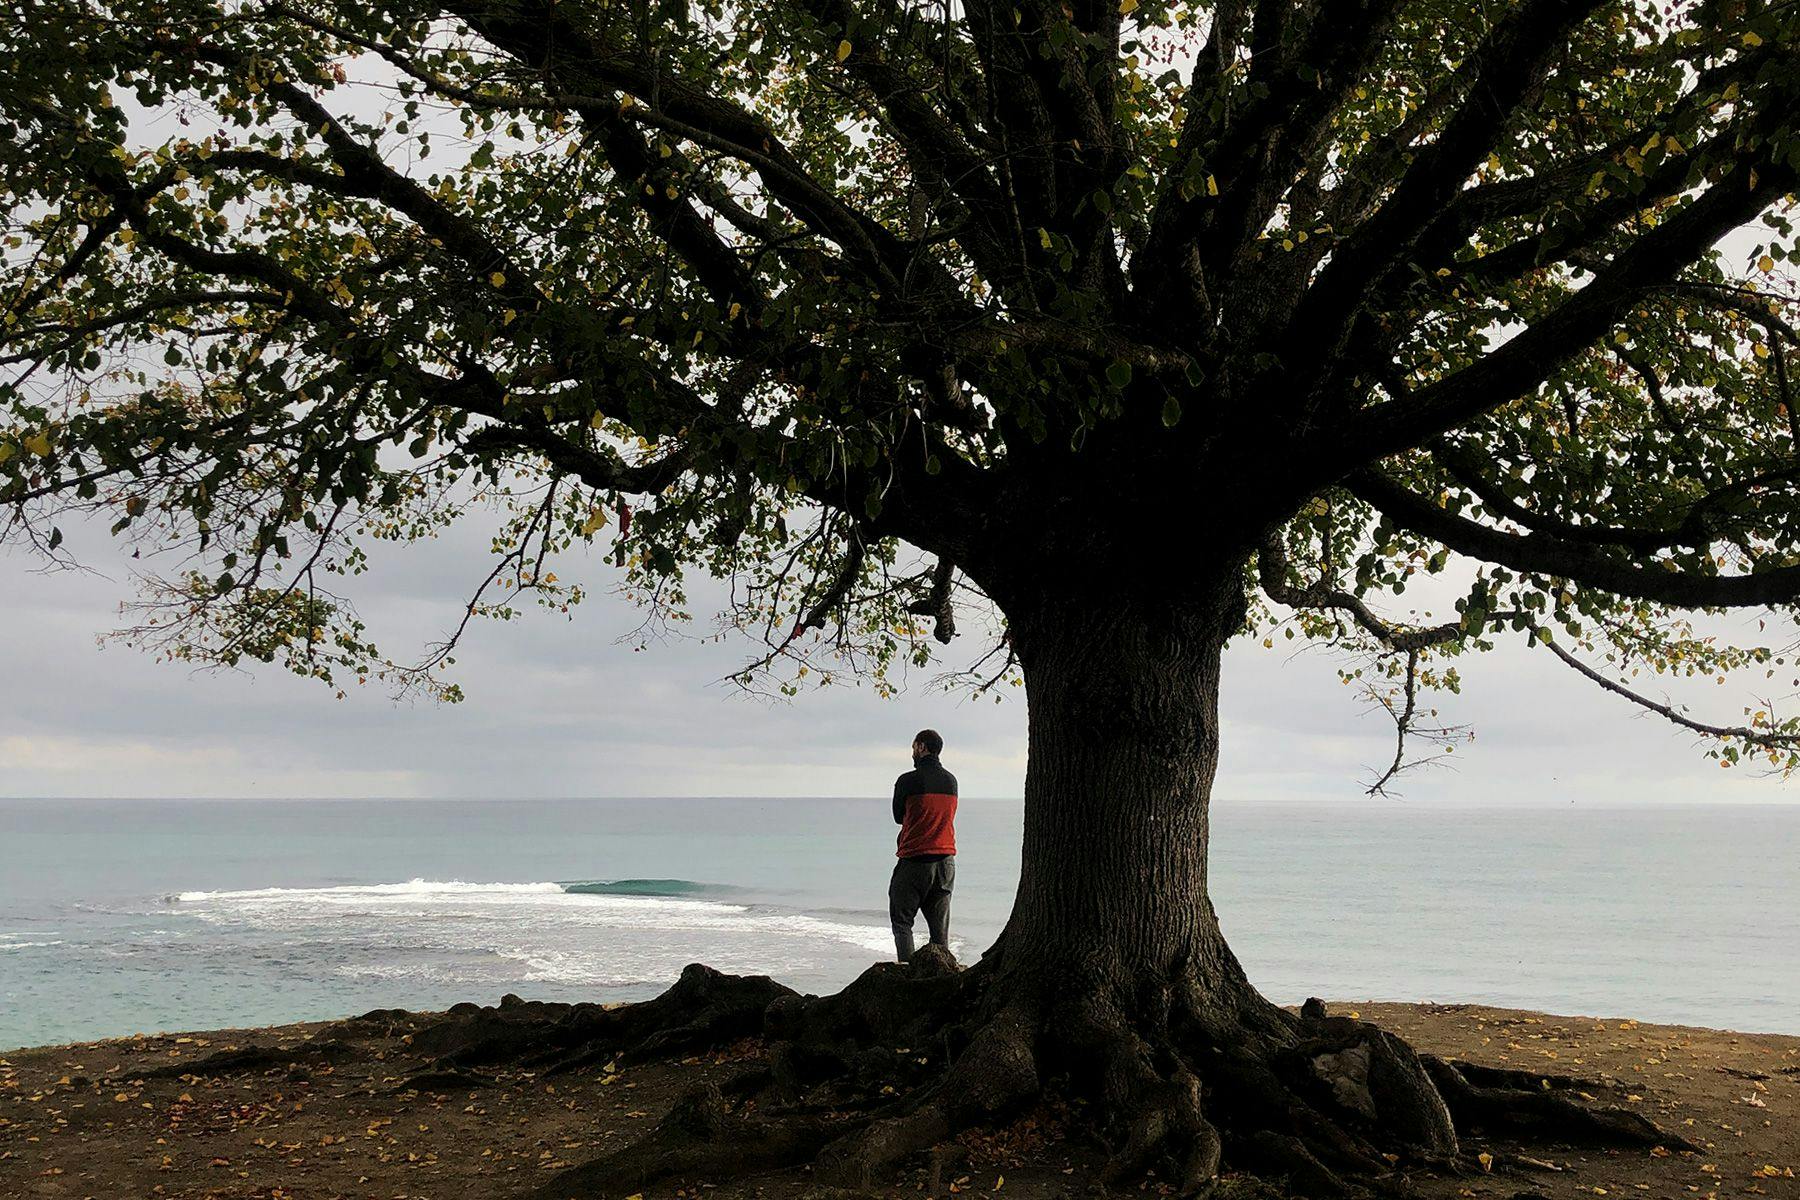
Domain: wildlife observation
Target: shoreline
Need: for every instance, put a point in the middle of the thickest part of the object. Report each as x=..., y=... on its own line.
x=348, y=1109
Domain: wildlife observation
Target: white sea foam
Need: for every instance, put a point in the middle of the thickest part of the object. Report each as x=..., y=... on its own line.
x=27, y=945
x=423, y=889
x=477, y=935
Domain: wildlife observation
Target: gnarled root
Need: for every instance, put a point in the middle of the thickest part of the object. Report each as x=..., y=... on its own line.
x=249, y=1059
x=1283, y=1155
x=699, y=1138
x=702, y=1010
x=1535, y=1112
x=1374, y=1078
x=1154, y=1107
x=1183, y=1079
x=1508, y=1077
x=995, y=1077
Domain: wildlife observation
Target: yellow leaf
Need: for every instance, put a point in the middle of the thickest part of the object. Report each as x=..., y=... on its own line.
x=595, y=520
x=843, y=51
x=1752, y=40
x=39, y=443
x=497, y=279
x=1212, y=186
x=1765, y=263
x=1125, y=7
x=1486, y=1160
x=1761, y=350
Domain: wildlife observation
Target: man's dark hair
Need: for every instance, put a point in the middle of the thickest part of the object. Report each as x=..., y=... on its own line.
x=931, y=740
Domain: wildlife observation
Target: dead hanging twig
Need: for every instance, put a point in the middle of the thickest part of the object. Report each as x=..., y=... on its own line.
x=1404, y=709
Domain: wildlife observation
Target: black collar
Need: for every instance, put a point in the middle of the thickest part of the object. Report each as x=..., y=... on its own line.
x=929, y=760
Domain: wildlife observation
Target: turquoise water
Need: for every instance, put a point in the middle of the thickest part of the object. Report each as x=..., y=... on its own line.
x=136, y=915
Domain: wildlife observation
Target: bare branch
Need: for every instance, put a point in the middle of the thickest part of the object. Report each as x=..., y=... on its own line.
x=1764, y=738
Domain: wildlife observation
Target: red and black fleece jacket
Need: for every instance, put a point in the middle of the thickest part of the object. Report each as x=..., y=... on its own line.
x=925, y=810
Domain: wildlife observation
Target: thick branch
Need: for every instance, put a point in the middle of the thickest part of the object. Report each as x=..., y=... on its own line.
x=1540, y=554
x=1274, y=570
x=1465, y=467
x=1534, y=354
x=1512, y=63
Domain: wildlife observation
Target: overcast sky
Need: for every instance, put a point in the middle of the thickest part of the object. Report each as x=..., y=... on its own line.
x=561, y=708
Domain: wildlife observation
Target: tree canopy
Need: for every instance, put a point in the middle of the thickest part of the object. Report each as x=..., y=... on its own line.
x=879, y=307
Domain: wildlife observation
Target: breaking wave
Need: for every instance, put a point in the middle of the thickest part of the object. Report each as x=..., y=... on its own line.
x=584, y=930
x=429, y=889
x=647, y=887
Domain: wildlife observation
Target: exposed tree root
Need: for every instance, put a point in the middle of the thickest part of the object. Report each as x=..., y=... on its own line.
x=704, y=1008
x=699, y=1138
x=1544, y=1114
x=248, y=1059
x=994, y=1077
x=1506, y=1077
x=1151, y=1102
x=1177, y=1080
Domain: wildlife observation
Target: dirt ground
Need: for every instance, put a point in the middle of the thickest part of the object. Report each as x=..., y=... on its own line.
x=318, y=1112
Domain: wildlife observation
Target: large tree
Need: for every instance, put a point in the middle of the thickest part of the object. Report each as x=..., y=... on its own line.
x=1135, y=324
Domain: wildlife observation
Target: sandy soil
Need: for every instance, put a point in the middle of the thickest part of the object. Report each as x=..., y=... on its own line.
x=326, y=1111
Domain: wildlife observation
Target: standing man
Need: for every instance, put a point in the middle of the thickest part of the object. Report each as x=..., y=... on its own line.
x=925, y=810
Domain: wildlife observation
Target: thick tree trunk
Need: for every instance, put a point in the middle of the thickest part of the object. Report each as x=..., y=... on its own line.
x=1124, y=744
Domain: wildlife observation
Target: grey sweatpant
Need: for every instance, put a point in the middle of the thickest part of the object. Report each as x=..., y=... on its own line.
x=921, y=883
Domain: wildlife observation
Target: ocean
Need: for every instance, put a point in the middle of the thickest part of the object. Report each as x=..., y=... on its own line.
x=125, y=916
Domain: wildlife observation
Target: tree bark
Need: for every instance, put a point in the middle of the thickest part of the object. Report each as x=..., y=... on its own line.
x=1123, y=748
